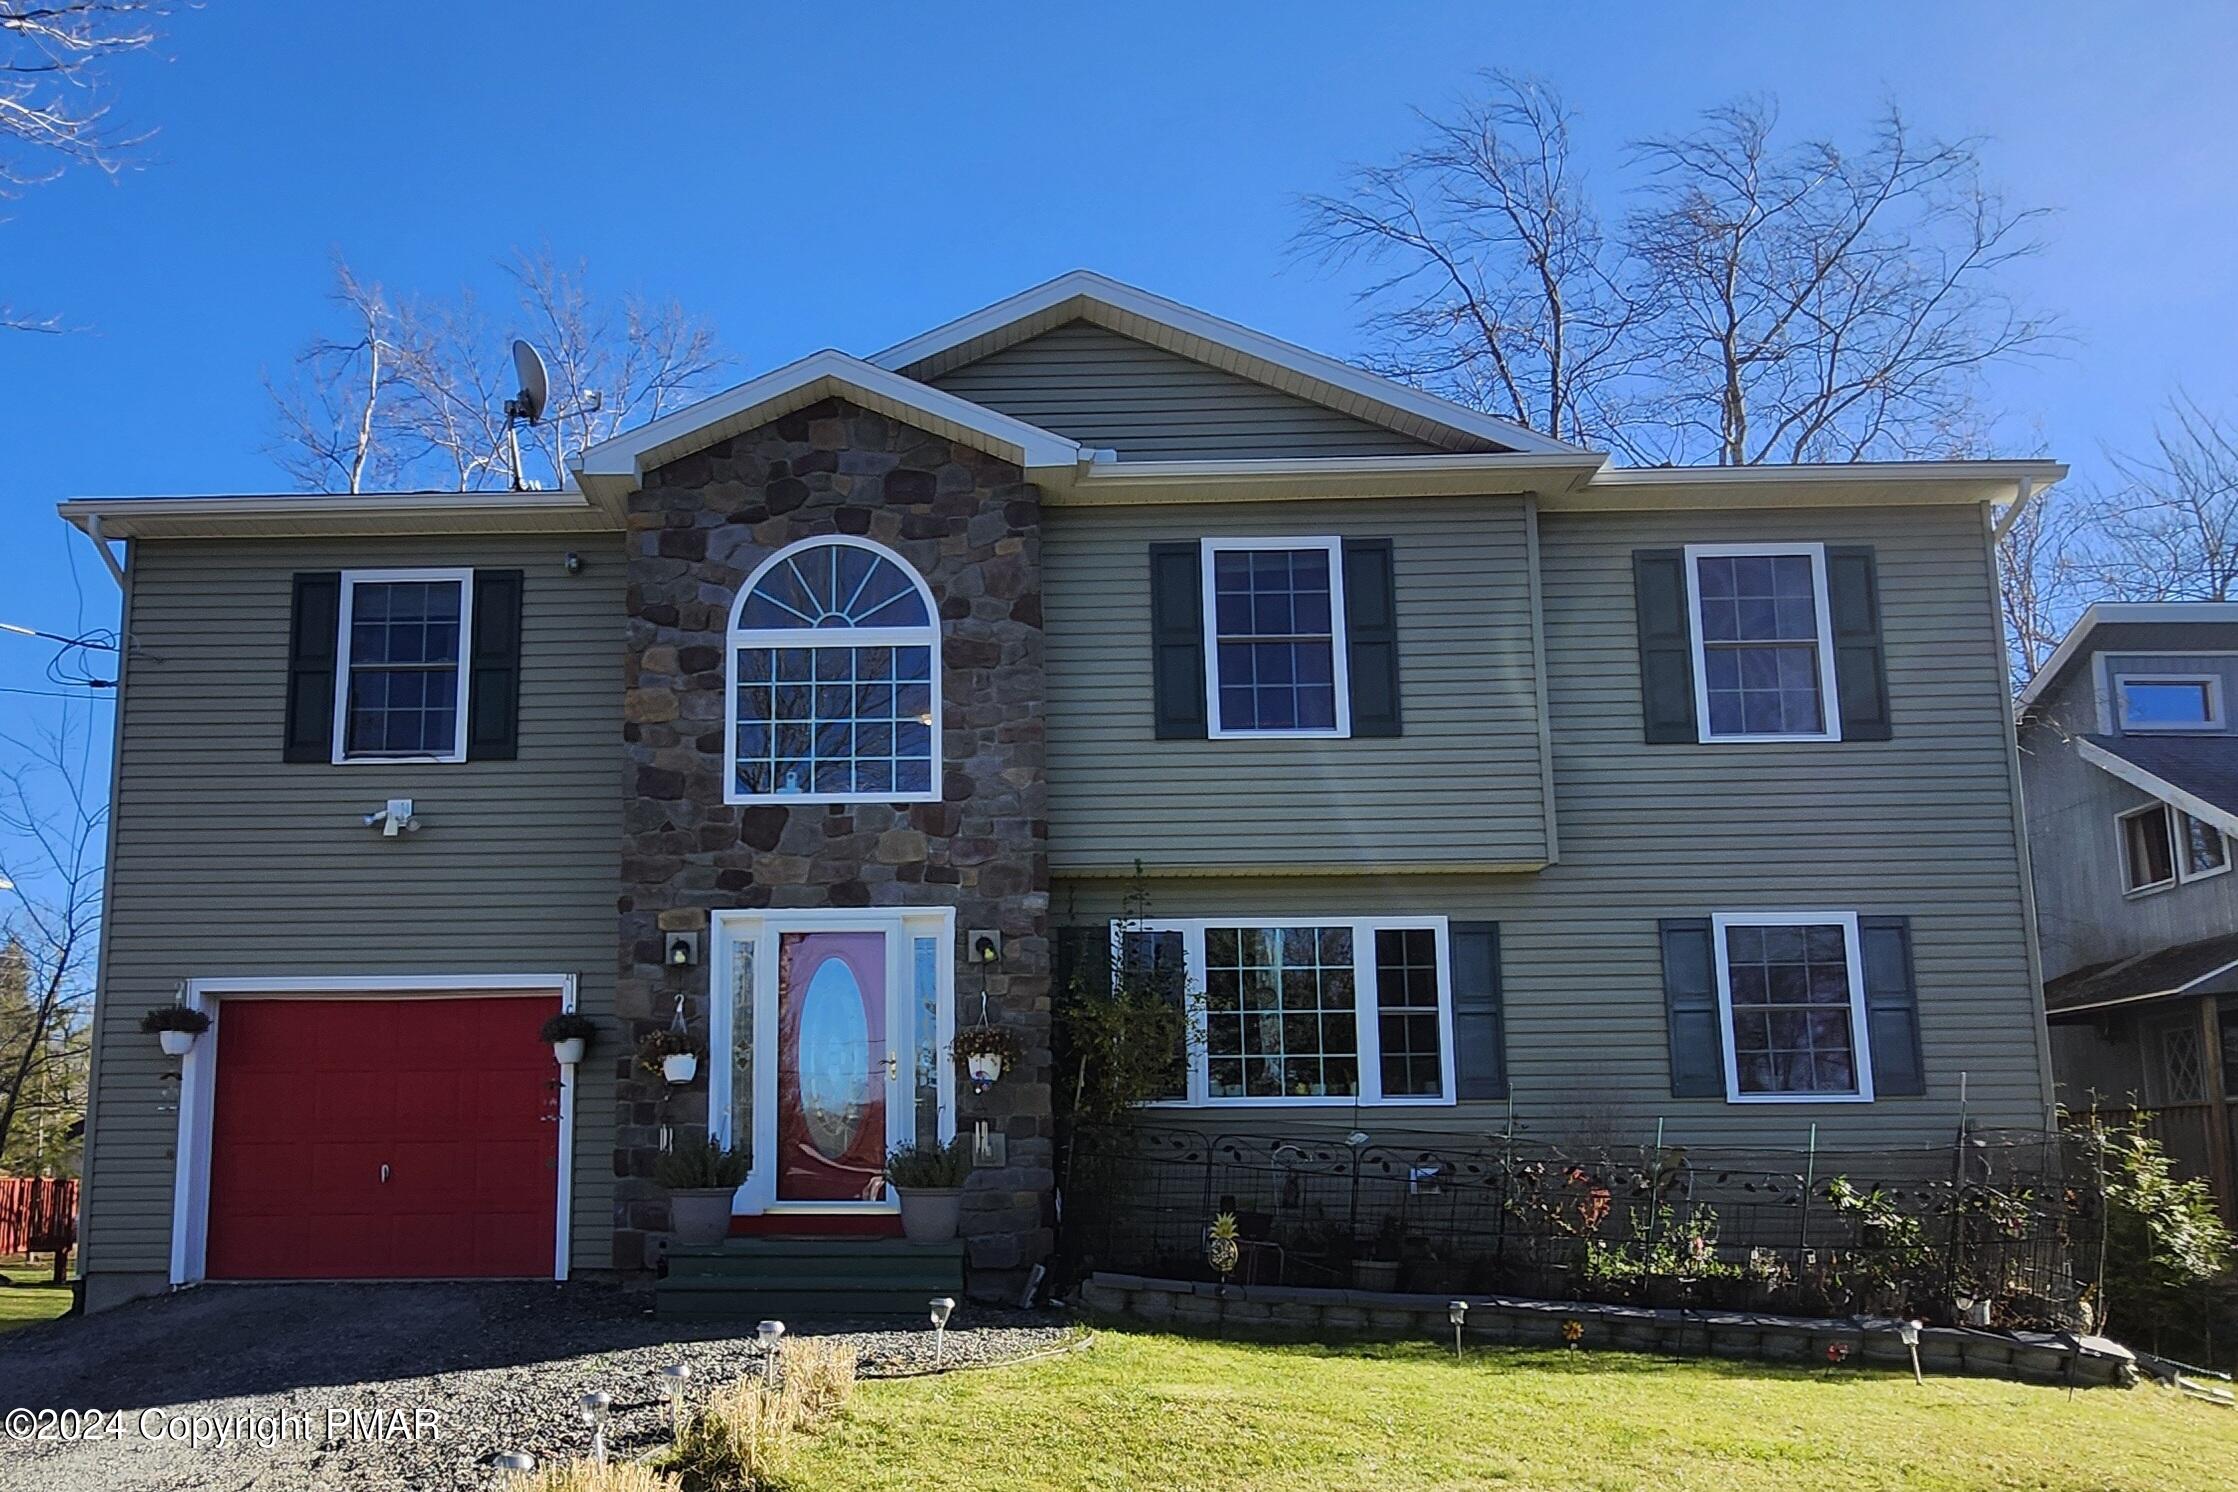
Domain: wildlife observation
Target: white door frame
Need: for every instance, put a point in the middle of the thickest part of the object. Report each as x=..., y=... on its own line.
x=761, y=929
x=190, y=1190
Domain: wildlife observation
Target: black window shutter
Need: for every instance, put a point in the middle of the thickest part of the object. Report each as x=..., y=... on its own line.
x=1480, y=1059
x=1371, y=631
x=1666, y=646
x=1177, y=640
x=1891, y=1007
x=313, y=616
x=1853, y=595
x=493, y=686
x=1690, y=1007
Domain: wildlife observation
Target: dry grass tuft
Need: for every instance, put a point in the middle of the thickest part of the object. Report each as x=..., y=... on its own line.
x=589, y=1476
x=745, y=1432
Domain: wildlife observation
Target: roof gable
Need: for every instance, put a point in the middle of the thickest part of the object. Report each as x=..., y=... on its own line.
x=1237, y=350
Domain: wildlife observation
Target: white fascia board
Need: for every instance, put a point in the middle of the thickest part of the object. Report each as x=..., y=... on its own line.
x=622, y=461
x=1469, y=474
x=2105, y=613
x=2159, y=994
x=312, y=514
x=1876, y=483
x=2115, y=765
x=1272, y=356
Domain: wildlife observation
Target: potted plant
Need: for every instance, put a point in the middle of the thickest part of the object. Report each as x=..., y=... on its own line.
x=175, y=1026
x=672, y=1054
x=700, y=1180
x=983, y=1051
x=569, y=1034
x=1379, y=1270
x=928, y=1181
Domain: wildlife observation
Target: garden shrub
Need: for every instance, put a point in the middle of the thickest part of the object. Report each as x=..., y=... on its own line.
x=2165, y=1243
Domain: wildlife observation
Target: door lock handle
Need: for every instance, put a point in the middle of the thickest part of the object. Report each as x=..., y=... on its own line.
x=893, y=1067
x=384, y=1175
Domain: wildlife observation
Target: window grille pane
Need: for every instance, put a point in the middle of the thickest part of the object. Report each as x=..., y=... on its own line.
x=1789, y=991
x=403, y=682
x=1275, y=639
x=2149, y=858
x=1760, y=654
x=1406, y=970
x=1279, y=1013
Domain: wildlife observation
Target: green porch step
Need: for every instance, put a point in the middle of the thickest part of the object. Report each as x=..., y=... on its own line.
x=751, y=1278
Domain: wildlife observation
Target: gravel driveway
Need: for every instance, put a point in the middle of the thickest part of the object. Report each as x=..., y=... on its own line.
x=386, y=1386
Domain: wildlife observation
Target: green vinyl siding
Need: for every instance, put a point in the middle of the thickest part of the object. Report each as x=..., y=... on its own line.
x=1920, y=826
x=1462, y=786
x=1107, y=390
x=229, y=862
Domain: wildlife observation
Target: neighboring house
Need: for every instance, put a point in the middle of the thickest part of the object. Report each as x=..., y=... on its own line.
x=1471, y=779
x=2129, y=753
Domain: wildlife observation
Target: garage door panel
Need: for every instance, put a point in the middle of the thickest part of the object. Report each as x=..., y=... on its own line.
x=314, y=1097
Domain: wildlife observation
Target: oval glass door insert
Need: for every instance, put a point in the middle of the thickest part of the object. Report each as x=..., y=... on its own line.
x=831, y=1067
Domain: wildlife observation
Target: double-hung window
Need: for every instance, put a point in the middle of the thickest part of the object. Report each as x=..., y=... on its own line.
x=401, y=672
x=1274, y=637
x=1763, y=642
x=2152, y=703
x=1306, y=1011
x=1791, y=991
x=2162, y=845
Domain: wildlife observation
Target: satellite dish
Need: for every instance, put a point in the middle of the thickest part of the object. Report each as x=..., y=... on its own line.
x=536, y=388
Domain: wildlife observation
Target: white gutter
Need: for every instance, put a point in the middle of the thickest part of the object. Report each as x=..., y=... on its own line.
x=108, y=555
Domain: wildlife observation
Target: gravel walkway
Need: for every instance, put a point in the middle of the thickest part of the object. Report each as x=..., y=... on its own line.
x=391, y=1386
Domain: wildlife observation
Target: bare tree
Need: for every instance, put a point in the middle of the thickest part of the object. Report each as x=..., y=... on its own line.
x=413, y=394
x=53, y=113
x=1494, y=283
x=2169, y=532
x=2042, y=580
x=51, y=839
x=1814, y=304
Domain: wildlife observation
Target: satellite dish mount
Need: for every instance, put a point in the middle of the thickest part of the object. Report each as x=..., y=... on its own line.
x=528, y=404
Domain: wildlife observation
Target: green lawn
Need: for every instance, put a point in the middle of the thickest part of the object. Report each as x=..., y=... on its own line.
x=25, y=1305
x=1142, y=1411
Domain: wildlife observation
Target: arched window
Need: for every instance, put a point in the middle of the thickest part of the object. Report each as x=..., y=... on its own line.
x=834, y=678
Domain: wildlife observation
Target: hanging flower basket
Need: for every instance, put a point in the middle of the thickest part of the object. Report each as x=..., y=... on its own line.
x=983, y=1051
x=570, y=1035
x=176, y=1027
x=672, y=1054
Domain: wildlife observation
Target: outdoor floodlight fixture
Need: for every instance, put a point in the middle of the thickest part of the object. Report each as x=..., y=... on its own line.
x=1457, y=1312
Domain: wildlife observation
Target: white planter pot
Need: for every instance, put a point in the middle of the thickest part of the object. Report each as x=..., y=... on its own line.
x=176, y=1043
x=680, y=1068
x=570, y=1051
x=985, y=1068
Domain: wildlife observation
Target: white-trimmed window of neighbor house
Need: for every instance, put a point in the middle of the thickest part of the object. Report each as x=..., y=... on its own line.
x=2169, y=702
x=1304, y=1011
x=1763, y=642
x=834, y=687
x=1274, y=637
x=401, y=672
x=1791, y=995
x=2162, y=845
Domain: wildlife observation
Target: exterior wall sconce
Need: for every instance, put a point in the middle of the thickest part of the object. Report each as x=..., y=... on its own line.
x=986, y=947
x=680, y=950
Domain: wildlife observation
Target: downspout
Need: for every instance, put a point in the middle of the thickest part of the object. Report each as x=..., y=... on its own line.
x=2019, y=505
x=108, y=555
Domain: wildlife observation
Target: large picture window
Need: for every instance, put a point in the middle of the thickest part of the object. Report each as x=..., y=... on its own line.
x=1791, y=990
x=1274, y=637
x=1763, y=642
x=834, y=679
x=401, y=693
x=1306, y=1011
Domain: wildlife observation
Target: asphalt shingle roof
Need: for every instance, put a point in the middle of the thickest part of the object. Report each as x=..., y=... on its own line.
x=2204, y=766
x=2166, y=972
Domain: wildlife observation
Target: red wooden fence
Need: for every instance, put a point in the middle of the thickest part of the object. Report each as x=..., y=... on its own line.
x=38, y=1214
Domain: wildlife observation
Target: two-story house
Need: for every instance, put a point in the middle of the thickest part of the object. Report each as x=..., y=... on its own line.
x=1470, y=776
x=2130, y=758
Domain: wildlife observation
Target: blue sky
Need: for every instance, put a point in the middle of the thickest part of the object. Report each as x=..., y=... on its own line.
x=809, y=180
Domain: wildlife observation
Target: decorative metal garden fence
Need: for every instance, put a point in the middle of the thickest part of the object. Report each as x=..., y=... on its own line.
x=1999, y=1228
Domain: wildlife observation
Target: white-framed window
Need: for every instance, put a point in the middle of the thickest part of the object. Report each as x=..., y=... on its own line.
x=834, y=687
x=2150, y=703
x=2162, y=845
x=1763, y=642
x=401, y=665
x=1274, y=642
x=1791, y=995
x=1306, y=1011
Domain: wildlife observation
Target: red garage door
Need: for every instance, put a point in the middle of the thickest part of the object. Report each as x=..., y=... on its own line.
x=383, y=1139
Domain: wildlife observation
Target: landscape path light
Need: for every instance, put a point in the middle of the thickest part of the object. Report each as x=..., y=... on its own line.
x=1457, y=1312
x=512, y=1465
x=596, y=1406
x=677, y=1374
x=769, y=1332
x=942, y=1308
x=1907, y=1332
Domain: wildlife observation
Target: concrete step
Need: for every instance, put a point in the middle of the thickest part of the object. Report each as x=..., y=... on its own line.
x=751, y=1278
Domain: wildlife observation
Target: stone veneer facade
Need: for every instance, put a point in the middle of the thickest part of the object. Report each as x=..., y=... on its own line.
x=970, y=525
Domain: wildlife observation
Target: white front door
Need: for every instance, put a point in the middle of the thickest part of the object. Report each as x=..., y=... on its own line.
x=830, y=1032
